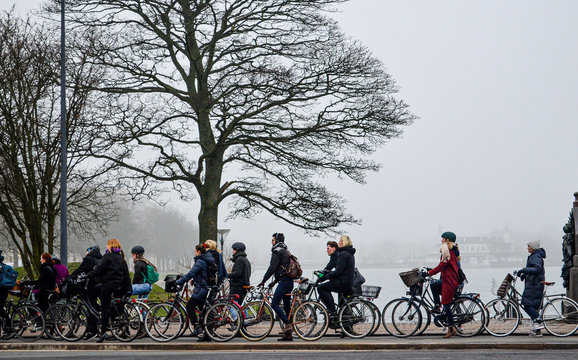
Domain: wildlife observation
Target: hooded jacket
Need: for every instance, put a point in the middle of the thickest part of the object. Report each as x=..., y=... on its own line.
x=46, y=280
x=89, y=262
x=241, y=273
x=279, y=262
x=113, y=271
x=344, y=266
x=532, y=275
x=199, y=272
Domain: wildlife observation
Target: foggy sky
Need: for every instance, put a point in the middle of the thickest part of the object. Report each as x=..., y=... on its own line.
x=495, y=85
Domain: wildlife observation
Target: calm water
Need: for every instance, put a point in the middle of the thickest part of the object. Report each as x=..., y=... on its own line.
x=480, y=281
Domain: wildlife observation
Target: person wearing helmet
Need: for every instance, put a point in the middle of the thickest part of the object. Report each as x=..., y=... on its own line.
x=89, y=262
x=139, y=284
x=240, y=275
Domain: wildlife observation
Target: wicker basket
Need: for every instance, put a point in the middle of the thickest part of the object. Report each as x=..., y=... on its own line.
x=503, y=289
x=411, y=277
x=170, y=285
x=369, y=291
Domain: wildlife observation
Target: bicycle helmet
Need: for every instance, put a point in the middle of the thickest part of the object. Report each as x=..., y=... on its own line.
x=137, y=250
x=239, y=246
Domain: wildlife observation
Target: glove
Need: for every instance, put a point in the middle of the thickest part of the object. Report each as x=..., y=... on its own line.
x=271, y=285
x=519, y=273
x=320, y=275
x=261, y=284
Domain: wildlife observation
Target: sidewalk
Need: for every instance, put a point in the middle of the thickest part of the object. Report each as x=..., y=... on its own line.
x=328, y=343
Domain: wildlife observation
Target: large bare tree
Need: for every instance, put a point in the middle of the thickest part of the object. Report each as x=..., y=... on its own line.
x=254, y=101
x=30, y=142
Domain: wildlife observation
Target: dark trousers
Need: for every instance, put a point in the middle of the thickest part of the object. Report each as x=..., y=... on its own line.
x=532, y=311
x=449, y=314
x=42, y=297
x=196, y=302
x=105, y=299
x=325, y=291
x=240, y=292
x=284, y=287
x=3, y=297
x=436, y=291
x=91, y=297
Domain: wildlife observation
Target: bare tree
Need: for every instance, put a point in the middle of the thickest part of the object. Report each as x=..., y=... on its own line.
x=248, y=100
x=30, y=142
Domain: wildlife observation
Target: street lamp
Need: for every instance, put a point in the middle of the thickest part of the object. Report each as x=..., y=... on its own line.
x=222, y=236
x=63, y=170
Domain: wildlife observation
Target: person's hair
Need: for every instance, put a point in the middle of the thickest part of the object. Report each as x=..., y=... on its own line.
x=346, y=240
x=333, y=244
x=113, y=244
x=211, y=244
x=47, y=257
x=201, y=248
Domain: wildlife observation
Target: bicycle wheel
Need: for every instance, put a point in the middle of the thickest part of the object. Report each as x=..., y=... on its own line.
x=49, y=328
x=258, y=322
x=425, y=318
x=377, y=317
x=222, y=321
x=70, y=321
x=310, y=321
x=28, y=322
x=560, y=317
x=469, y=317
x=356, y=318
x=164, y=322
x=126, y=325
x=502, y=317
x=405, y=318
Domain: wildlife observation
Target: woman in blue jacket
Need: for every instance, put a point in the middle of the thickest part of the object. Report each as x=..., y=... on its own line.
x=200, y=275
x=533, y=275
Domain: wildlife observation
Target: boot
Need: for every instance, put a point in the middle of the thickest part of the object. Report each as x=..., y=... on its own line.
x=287, y=333
x=102, y=337
x=451, y=332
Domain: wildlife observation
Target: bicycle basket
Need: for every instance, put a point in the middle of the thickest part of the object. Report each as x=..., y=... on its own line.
x=370, y=291
x=503, y=289
x=170, y=285
x=416, y=289
x=411, y=277
x=305, y=288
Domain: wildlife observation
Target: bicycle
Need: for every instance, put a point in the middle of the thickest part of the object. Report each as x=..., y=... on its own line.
x=404, y=317
x=71, y=319
x=221, y=318
x=558, y=313
x=25, y=320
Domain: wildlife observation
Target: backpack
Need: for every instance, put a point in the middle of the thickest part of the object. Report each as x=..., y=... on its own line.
x=8, y=276
x=151, y=276
x=212, y=273
x=293, y=270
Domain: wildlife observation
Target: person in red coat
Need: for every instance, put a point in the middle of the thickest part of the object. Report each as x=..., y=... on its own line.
x=448, y=267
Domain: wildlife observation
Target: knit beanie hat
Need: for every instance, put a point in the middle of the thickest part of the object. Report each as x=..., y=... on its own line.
x=449, y=236
x=535, y=245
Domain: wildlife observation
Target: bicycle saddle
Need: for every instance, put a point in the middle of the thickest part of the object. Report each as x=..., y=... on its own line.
x=547, y=283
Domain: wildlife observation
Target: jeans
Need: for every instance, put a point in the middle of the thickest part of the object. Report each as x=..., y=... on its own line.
x=533, y=312
x=140, y=289
x=449, y=314
x=436, y=291
x=284, y=287
x=196, y=302
x=325, y=296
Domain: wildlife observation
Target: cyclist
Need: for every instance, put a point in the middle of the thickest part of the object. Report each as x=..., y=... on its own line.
x=46, y=281
x=139, y=284
x=200, y=275
x=241, y=273
x=280, y=262
x=532, y=275
x=211, y=246
x=436, y=286
x=113, y=272
x=448, y=267
x=3, y=295
x=89, y=262
x=339, y=280
x=61, y=270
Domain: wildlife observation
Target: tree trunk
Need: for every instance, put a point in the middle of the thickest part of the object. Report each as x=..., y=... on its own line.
x=210, y=199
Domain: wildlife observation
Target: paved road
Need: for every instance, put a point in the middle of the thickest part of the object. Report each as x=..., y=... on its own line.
x=317, y=355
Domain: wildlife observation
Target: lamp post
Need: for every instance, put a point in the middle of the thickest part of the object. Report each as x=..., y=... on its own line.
x=63, y=169
x=222, y=236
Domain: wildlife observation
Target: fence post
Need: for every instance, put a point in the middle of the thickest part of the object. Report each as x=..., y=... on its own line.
x=573, y=275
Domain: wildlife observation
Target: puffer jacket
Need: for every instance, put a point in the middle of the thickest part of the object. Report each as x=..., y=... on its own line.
x=199, y=272
x=532, y=275
x=113, y=272
x=241, y=273
x=344, y=266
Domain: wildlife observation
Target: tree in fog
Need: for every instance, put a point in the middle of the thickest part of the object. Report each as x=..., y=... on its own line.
x=250, y=101
x=30, y=142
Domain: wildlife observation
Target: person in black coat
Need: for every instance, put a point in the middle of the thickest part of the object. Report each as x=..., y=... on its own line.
x=280, y=262
x=339, y=280
x=332, y=252
x=92, y=258
x=115, y=279
x=240, y=275
x=46, y=281
x=533, y=275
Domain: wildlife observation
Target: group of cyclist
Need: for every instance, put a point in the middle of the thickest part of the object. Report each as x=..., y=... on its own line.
x=108, y=276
